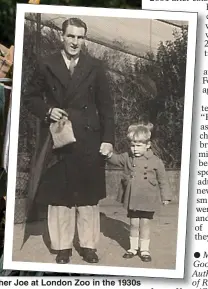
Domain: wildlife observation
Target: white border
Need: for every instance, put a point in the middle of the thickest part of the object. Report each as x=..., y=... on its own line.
x=89, y=269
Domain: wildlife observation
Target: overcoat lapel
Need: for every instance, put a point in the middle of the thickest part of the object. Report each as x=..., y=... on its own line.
x=58, y=68
x=81, y=71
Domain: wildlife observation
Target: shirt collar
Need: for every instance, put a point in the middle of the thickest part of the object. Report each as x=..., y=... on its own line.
x=67, y=60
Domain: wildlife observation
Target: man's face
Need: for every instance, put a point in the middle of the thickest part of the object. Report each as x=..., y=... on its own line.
x=73, y=39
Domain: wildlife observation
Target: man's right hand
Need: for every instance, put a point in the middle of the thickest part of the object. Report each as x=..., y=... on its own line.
x=57, y=113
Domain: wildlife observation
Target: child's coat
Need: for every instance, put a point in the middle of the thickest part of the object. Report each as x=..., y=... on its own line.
x=145, y=182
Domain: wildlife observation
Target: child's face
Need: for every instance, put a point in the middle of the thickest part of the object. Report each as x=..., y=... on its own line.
x=138, y=148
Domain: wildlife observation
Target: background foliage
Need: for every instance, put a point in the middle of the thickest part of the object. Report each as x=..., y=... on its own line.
x=168, y=69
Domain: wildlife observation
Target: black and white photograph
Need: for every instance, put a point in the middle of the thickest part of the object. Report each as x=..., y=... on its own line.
x=100, y=137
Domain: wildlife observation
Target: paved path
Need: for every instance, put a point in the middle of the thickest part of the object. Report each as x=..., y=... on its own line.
x=113, y=240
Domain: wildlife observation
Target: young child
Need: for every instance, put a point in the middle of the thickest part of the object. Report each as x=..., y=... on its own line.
x=144, y=183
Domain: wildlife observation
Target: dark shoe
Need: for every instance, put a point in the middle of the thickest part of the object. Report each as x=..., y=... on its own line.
x=63, y=256
x=129, y=255
x=145, y=256
x=89, y=255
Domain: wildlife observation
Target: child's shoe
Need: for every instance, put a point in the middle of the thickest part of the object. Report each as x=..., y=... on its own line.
x=130, y=254
x=145, y=256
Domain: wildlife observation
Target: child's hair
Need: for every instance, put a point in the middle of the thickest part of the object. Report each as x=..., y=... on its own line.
x=139, y=133
x=144, y=121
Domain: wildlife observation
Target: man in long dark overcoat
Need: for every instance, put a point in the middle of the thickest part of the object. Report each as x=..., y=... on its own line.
x=71, y=180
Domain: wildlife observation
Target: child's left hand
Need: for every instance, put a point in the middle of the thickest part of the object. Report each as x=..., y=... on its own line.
x=165, y=203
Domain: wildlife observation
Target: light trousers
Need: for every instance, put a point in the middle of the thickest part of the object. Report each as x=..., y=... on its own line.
x=61, y=226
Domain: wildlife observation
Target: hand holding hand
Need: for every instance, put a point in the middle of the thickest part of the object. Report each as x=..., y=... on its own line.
x=106, y=149
x=57, y=113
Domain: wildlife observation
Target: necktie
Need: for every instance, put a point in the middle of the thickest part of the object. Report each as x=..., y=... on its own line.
x=72, y=66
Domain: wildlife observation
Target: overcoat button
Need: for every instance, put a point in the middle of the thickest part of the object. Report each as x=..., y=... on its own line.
x=53, y=88
x=87, y=127
x=85, y=106
x=145, y=167
x=145, y=178
x=145, y=173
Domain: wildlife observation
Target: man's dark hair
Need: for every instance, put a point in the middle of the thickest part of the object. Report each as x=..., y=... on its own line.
x=75, y=22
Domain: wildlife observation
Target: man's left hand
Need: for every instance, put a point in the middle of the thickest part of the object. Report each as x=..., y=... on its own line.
x=106, y=149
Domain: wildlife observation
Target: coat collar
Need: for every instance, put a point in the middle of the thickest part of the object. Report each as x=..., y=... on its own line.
x=147, y=155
